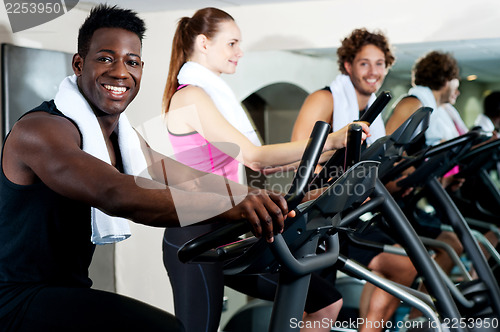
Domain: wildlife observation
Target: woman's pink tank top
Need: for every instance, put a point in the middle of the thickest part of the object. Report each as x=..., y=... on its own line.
x=195, y=151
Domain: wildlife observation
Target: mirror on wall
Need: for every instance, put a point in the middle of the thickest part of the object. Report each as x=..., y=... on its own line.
x=29, y=77
x=480, y=57
x=479, y=62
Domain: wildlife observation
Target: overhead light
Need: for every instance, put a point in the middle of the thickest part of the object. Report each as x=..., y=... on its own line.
x=471, y=77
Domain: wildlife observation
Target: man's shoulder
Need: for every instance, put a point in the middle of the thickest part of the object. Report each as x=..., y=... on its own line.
x=46, y=106
x=43, y=119
x=326, y=88
x=321, y=99
x=408, y=100
x=323, y=94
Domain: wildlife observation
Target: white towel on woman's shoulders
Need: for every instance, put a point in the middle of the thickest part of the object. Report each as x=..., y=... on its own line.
x=69, y=100
x=221, y=94
x=346, y=108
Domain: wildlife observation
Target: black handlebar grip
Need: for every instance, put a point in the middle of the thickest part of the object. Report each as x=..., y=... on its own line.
x=353, y=147
x=310, y=159
x=377, y=107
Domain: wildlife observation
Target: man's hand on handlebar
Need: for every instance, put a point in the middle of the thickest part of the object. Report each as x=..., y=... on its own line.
x=394, y=188
x=264, y=210
x=338, y=139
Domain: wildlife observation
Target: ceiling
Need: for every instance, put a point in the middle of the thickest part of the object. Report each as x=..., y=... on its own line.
x=479, y=57
x=166, y=5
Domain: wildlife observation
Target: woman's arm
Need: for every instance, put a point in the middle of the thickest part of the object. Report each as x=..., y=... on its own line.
x=193, y=110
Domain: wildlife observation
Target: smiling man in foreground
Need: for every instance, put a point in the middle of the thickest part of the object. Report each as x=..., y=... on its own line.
x=69, y=175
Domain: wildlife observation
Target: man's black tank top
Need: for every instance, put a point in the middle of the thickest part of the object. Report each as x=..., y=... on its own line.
x=44, y=239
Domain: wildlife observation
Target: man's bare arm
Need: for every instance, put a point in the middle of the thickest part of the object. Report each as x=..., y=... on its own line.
x=47, y=148
x=402, y=111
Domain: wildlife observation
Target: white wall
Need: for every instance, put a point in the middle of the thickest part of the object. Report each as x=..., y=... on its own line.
x=315, y=24
x=267, y=30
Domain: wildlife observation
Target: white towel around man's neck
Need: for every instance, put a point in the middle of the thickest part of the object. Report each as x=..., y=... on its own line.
x=221, y=94
x=425, y=95
x=346, y=108
x=434, y=133
x=69, y=100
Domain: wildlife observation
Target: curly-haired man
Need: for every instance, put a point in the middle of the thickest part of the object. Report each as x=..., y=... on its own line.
x=364, y=60
x=435, y=83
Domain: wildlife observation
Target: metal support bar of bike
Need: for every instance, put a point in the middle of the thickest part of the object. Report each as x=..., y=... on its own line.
x=460, y=226
x=451, y=254
x=291, y=294
x=402, y=292
x=445, y=304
